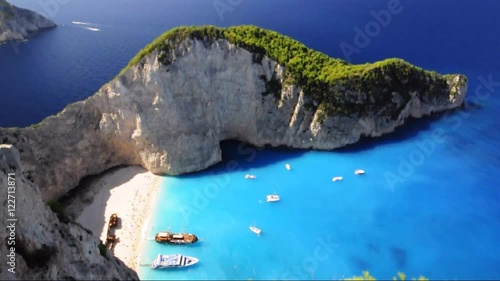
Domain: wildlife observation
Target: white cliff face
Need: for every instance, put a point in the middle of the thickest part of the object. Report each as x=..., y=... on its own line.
x=171, y=119
x=46, y=248
x=20, y=24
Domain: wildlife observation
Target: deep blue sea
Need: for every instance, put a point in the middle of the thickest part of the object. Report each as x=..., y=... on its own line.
x=429, y=203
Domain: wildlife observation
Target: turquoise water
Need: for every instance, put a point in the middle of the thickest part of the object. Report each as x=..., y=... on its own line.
x=428, y=204
x=440, y=218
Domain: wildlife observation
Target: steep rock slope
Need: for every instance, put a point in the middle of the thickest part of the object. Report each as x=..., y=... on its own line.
x=44, y=247
x=169, y=110
x=18, y=24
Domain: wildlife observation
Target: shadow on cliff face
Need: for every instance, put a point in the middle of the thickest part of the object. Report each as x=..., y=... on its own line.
x=409, y=130
x=86, y=192
x=249, y=156
x=237, y=155
x=244, y=156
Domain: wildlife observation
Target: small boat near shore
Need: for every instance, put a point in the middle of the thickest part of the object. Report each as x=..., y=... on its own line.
x=168, y=237
x=255, y=230
x=287, y=166
x=359, y=172
x=273, y=198
x=337, y=178
x=250, y=177
x=173, y=261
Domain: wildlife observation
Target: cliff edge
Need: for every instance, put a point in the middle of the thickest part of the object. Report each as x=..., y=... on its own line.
x=37, y=245
x=197, y=86
x=17, y=24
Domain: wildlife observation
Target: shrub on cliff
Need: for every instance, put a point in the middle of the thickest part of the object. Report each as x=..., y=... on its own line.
x=56, y=207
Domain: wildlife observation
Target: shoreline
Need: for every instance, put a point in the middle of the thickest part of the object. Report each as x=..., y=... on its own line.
x=145, y=225
x=129, y=192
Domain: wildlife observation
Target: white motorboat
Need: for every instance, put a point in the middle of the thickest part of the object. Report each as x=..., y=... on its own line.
x=337, y=178
x=359, y=172
x=287, y=166
x=250, y=177
x=173, y=261
x=273, y=198
x=255, y=230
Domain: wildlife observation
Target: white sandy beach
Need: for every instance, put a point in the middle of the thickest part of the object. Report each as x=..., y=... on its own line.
x=128, y=192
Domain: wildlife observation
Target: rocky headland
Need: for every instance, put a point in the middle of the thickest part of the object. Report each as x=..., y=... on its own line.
x=17, y=24
x=197, y=86
x=170, y=108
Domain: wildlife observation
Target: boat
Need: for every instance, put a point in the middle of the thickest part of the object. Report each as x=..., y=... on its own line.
x=287, y=166
x=92, y=29
x=337, y=178
x=255, y=230
x=251, y=177
x=168, y=237
x=113, y=221
x=359, y=172
x=273, y=198
x=173, y=261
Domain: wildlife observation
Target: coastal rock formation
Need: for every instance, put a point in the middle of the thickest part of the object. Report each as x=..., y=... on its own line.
x=18, y=24
x=40, y=246
x=169, y=111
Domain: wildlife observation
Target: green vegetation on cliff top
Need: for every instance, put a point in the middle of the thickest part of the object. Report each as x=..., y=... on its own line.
x=6, y=11
x=326, y=81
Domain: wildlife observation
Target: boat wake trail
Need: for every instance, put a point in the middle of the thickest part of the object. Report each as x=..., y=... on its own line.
x=81, y=23
x=92, y=29
x=87, y=24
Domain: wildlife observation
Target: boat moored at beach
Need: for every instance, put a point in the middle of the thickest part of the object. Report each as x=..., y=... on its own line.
x=173, y=261
x=287, y=166
x=168, y=237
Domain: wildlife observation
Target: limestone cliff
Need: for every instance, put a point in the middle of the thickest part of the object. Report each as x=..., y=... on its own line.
x=45, y=248
x=170, y=110
x=18, y=24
